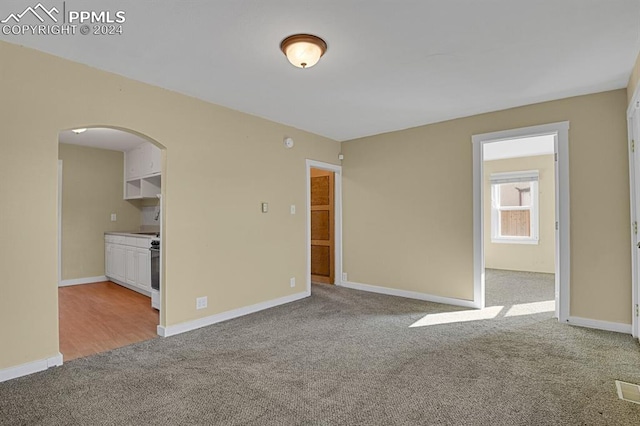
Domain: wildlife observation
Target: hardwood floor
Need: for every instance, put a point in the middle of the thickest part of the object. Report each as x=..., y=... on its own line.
x=102, y=316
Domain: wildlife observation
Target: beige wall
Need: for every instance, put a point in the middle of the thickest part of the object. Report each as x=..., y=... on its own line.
x=524, y=257
x=92, y=181
x=634, y=79
x=220, y=165
x=408, y=204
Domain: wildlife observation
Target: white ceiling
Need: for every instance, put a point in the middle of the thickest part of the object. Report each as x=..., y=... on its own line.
x=522, y=147
x=389, y=65
x=101, y=137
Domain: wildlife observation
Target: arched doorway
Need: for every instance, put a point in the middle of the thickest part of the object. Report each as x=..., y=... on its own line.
x=110, y=232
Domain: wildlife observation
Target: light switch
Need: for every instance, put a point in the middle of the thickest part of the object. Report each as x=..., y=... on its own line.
x=293, y=209
x=113, y=217
x=265, y=207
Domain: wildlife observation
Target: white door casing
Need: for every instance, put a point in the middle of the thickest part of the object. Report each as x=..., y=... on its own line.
x=633, y=131
x=561, y=132
x=59, y=221
x=337, y=218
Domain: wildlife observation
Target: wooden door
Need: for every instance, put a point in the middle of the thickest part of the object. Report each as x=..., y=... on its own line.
x=322, y=227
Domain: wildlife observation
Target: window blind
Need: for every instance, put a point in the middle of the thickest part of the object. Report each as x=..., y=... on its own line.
x=512, y=177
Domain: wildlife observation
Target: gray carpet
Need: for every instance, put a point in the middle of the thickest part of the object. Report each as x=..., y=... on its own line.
x=351, y=358
x=509, y=287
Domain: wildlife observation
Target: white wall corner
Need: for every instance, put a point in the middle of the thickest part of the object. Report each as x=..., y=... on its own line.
x=172, y=330
x=55, y=361
x=30, y=367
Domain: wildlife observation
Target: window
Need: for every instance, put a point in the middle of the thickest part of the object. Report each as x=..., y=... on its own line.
x=514, y=207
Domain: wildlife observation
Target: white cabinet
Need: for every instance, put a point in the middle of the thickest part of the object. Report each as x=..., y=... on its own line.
x=143, y=278
x=128, y=261
x=131, y=268
x=108, y=259
x=156, y=160
x=149, y=160
x=143, y=168
x=132, y=160
x=118, y=262
x=114, y=258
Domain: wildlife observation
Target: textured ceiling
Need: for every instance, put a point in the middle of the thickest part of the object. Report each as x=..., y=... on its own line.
x=389, y=65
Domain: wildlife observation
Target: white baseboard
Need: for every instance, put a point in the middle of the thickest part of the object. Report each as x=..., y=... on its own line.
x=224, y=316
x=30, y=368
x=600, y=325
x=88, y=280
x=408, y=294
x=130, y=287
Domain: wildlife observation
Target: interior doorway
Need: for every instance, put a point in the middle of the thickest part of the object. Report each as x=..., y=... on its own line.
x=109, y=223
x=559, y=132
x=519, y=223
x=324, y=223
x=322, y=226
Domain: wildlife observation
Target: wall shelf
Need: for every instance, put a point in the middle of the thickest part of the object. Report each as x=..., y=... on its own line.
x=144, y=187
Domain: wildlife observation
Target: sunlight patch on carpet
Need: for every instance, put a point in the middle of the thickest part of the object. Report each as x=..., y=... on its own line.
x=459, y=316
x=486, y=313
x=531, y=308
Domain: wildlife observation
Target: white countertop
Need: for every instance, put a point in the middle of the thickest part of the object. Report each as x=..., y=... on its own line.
x=150, y=235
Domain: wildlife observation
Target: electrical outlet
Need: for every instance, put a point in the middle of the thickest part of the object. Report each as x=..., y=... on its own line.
x=265, y=207
x=292, y=282
x=113, y=217
x=293, y=209
x=344, y=277
x=201, y=302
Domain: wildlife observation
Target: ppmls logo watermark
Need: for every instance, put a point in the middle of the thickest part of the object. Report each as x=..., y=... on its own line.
x=41, y=20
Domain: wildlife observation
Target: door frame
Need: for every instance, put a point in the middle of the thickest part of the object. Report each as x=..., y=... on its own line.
x=337, y=181
x=562, y=252
x=633, y=119
x=60, y=165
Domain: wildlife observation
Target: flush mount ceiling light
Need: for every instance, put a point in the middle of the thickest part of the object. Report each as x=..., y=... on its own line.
x=303, y=50
x=78, y=131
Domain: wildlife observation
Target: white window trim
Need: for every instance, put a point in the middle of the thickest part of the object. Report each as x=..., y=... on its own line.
x=534, y=221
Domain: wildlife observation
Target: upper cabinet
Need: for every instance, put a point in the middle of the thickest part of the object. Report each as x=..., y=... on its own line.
x=132, y=160
x=142, y=169
x=149, y=160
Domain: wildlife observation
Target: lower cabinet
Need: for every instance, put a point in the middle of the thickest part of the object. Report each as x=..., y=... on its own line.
x=128, y=262
x=131, y=265
x=143, y=278
x=108, y=259
x=114, y=261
